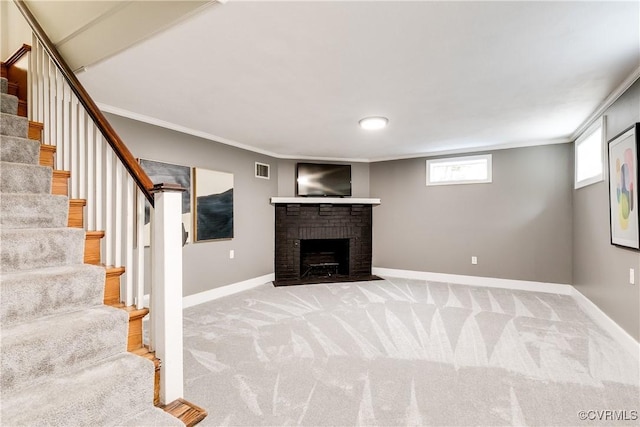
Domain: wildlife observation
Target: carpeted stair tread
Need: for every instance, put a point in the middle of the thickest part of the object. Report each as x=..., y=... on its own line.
x=24, y=178
x=19, y=150
x=151, y=417
x=63, y=354
x=117, y=388
x=8, y=103
x=33, y=211
x=56, y=345
x=27, y=295
x=13, y=125
x=31, y=248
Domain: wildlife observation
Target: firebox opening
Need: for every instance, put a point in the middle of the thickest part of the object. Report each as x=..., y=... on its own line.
x=324, y=258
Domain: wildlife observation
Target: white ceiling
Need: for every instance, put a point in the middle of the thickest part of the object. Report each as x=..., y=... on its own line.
x=293, y=78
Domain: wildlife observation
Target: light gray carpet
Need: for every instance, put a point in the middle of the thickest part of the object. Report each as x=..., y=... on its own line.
x=8, y=103
x=402, y=352
x=19, y=150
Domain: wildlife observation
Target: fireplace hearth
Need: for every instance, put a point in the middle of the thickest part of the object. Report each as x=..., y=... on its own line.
x=322, y=242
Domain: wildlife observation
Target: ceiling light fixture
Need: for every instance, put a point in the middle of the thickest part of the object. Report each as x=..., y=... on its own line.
x=374, y=123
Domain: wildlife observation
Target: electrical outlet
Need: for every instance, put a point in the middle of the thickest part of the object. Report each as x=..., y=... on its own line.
x=474, y=260
x=632, y=276
x=232, y=254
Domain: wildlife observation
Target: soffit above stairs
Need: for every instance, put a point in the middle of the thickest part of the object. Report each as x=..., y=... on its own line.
x=86, y=32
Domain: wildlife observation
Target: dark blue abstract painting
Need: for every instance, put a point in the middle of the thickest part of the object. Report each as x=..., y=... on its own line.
x=214, y=204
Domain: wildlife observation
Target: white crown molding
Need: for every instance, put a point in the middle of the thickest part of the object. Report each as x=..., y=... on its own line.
x=179, y=128
x=204, y=135
x=613, y=97
x=324, y=159
x=189, y=131
x=470, y=150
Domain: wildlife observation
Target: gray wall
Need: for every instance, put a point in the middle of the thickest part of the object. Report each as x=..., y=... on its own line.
x=601, y=270
x=207, y=264
x=519, y=226
x=287, y=177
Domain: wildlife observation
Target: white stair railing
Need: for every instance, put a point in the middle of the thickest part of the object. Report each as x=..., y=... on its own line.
x=97, y=174
x=105, y=174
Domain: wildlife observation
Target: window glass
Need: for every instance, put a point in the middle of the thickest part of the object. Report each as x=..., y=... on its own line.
x=459, y=170
x=589, y=156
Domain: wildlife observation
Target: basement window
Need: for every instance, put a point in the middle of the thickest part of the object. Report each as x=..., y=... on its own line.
x=589, y=155
x=459, y=170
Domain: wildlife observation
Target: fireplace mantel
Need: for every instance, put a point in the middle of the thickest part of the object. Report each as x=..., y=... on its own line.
x=324, y=201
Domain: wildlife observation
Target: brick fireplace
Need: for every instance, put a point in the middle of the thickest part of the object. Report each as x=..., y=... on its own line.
x=320, y=241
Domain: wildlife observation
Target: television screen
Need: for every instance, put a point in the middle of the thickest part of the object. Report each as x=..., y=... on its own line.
x=323, y=180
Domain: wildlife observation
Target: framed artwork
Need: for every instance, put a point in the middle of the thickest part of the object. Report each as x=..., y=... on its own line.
x=213, y=201
x=161, y=172
x=623, y=189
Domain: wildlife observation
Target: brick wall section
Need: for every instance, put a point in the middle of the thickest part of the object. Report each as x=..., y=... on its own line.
x=295, y=222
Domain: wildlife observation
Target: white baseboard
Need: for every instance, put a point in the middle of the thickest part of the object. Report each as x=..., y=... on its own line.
x=597, y=315
x=223, y=291
x=609, y=325
x=522, y=285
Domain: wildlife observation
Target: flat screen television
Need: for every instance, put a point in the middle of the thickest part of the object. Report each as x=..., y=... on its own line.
x=323, y=180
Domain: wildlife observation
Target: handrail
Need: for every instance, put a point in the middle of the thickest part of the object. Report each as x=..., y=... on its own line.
x=17, y=55
x=138, y=174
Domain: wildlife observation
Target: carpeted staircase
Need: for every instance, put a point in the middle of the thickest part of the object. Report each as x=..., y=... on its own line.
x=64, y=358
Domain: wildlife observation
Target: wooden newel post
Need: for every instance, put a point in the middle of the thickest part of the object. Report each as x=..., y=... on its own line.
x=166, y=292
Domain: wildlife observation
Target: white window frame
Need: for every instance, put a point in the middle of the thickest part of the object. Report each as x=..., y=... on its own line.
x=598, y=124
x=486, y=157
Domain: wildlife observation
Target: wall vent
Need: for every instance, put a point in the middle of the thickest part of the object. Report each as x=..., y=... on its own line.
x=262, y=170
